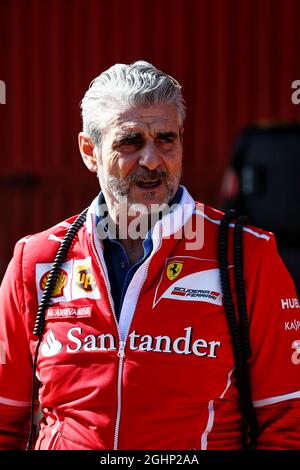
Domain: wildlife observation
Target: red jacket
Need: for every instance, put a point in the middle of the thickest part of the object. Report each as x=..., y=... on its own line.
x=163, y=377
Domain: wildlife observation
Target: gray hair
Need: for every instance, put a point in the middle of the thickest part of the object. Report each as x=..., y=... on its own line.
x=137, y=84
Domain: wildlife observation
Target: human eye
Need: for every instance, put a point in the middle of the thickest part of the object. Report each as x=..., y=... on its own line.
x=166, y=137
x=130, y=142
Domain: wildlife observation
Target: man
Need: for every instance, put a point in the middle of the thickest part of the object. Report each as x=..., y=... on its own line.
x=136, y=351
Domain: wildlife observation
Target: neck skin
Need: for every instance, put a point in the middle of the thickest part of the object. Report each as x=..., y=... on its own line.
x=134, y=249
x=124, y=225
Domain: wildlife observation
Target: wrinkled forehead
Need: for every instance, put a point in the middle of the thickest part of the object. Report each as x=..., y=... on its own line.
x=155, y=117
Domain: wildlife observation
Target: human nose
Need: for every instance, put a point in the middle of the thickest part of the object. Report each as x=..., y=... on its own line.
x=149, y=156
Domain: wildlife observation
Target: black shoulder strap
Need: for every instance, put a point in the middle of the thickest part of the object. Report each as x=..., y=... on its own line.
x=238, y=324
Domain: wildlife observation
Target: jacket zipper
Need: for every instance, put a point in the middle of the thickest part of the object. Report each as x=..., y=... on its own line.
x=121, y=354
x=122, y=344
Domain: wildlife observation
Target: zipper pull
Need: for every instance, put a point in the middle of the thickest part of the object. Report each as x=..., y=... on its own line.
x=121, y=349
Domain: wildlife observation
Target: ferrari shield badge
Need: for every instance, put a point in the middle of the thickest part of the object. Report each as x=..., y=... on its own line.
x=174, y=268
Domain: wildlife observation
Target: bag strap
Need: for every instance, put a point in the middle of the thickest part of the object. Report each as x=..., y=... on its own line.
x=238, y=324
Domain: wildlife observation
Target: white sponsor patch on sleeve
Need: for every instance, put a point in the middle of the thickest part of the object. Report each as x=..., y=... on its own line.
x=75, y=281
x=83, y=281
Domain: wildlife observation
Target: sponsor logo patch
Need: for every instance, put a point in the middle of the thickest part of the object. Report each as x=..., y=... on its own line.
x=174, y=268
x=61, y=282
x=292, y=325
x=78, y=340
x=199, y=286
x=191, y=293
x=290, y=303
x=51, y=346
x=296, y=353
x=85, y=279
x=75, y=281
x=56, y=313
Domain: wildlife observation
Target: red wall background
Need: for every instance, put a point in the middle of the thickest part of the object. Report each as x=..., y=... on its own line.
x=236, y=60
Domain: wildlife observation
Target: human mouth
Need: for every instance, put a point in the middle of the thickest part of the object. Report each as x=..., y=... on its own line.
x=149, y=184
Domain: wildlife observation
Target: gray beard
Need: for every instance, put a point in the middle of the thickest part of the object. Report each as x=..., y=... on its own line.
x=120, y=188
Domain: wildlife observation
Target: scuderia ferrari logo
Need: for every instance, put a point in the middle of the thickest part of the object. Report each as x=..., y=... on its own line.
x=174, y=268
x=199, y=281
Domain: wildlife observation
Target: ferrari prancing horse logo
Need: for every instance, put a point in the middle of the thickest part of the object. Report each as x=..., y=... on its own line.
x=174, y=268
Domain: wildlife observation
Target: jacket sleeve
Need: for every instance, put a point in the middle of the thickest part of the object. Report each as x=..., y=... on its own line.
x=274, y=318
x=15, y=359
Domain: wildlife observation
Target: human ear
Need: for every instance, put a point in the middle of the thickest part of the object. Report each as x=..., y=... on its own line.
x=88, y=151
